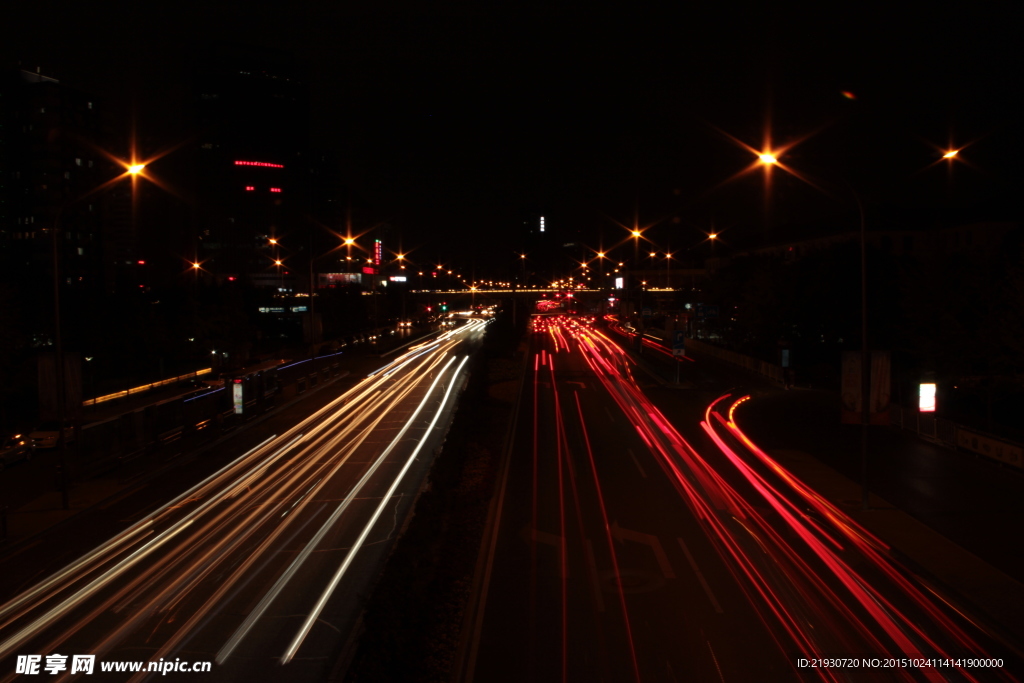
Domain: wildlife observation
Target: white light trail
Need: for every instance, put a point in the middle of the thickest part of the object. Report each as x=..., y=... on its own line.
x=283, y=580
x=325, y=596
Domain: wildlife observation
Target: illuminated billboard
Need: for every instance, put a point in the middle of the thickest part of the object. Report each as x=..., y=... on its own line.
x=927, y=400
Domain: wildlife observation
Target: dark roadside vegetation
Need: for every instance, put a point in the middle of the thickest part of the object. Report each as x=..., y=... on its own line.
x=413, y=619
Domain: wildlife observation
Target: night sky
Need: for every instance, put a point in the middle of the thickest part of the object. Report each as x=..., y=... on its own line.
x=454, y=119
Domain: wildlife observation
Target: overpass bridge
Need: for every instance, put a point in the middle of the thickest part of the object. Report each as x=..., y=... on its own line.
x=590, y=299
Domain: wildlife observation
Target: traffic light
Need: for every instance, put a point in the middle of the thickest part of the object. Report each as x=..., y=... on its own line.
x=444, y=306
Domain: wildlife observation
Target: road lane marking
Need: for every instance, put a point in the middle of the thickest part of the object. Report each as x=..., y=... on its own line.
x=636, y=462
x=647, y=539
x=715, y=660
x=700, y=577
x=595, y=581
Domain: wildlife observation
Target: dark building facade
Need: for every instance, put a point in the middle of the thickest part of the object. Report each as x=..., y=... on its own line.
x=251, y=115
x=49, y=172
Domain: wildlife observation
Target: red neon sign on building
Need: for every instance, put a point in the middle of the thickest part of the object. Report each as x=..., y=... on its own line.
x=258, y=163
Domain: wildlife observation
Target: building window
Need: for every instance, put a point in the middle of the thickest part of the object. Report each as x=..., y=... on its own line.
x=67, y=175
x=90, y=163
x=81, y=251
x=78, y=161
x=88, y=105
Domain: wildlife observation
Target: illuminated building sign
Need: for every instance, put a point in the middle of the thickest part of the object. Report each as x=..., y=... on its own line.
x=258, y=163
x=927, y=402
x=249, y=188
x=275, y=189
x=542, y=223
x=236, y=397
x=378, y=248
x=369, y=270
x=397, y=278
x=335, y=279
x=618, y=283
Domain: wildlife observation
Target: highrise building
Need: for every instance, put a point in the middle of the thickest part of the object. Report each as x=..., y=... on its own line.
x=48, y=169
x=252, y=115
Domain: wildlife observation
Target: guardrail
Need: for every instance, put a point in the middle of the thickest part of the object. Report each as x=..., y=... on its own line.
x=763, y=368
x=958, y=437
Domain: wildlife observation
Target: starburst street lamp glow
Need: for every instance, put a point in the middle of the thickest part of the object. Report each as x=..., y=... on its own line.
x=135, y=169
x=713, y=236
x=950, y=154
x=767, y=157
x=635, y=233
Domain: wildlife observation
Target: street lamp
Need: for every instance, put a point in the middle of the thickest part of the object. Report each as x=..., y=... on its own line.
x=132, y=170
x=768, y=159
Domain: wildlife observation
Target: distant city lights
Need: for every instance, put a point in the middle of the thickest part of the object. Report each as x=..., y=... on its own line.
x=267, y=164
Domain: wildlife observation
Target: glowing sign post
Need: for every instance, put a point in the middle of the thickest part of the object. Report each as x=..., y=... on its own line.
x=926, y=402
x=378, y=252
x=236, y=396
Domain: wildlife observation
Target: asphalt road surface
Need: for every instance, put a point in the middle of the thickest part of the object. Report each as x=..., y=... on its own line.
x=631, y=547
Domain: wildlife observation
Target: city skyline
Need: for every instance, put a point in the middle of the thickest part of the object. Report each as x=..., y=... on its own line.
x=461, y=126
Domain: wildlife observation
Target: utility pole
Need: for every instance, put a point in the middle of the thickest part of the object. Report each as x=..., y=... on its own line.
x=312, y=302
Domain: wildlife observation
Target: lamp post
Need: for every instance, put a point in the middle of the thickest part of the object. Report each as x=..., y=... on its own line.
x=767, y=160
x=635, y=234
x=312, y=291
x=865, y=371
x=132, y=170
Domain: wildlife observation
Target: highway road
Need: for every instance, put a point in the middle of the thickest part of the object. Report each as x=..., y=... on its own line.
x=628, y=547
x=260, y=568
